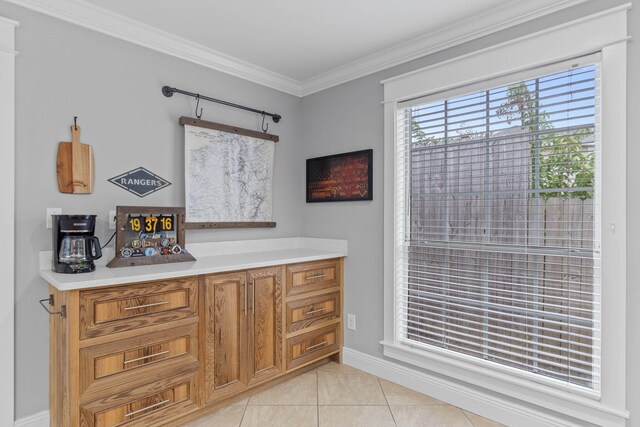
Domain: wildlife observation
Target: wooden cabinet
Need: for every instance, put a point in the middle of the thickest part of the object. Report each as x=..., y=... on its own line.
x=151, y=353
x=313, y=312
x=265, y=350
x=312, y=276
x=310, y=311
x=134, y=360
x=125, y=355
x=143, y=406
x=305, y=348
x=121, y=308
x=225, y=335
x=243, y=330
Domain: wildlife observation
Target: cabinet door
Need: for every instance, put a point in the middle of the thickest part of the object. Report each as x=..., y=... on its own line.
x=225, y=335
x=265, y=342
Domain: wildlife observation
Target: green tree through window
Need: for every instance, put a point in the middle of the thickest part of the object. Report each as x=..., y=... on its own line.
x=562, y=161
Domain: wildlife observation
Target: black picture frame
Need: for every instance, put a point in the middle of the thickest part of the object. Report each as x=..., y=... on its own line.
x=344, y=177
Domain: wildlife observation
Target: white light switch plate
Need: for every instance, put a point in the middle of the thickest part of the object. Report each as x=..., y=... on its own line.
x=351, y=321
x=52, y=211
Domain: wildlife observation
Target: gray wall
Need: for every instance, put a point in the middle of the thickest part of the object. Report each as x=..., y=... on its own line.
x=114, y=88
x=349, y=117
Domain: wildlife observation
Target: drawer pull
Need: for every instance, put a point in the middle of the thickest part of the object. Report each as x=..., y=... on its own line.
x=147, y=305
x=146, y=357
x=313, y=347
x=318, y=276
x=130, y=414
x=319, y=310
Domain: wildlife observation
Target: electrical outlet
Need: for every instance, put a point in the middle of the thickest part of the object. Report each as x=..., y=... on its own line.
x=52, y=211
x=351, y=321
x=112, y=220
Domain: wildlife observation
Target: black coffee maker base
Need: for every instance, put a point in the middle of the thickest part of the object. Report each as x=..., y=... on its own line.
x=75, y=268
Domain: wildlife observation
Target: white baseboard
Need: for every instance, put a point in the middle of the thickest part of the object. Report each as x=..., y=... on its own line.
x=487, y=404
x=39, y=419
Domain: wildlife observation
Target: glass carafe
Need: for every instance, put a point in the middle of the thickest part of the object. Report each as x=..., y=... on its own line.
x=79, y=249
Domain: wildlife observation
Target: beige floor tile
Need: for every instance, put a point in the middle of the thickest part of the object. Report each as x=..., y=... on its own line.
x=429, y=416
x=301, y=390
x=280, y=416
x=339, y=368
x=398, y=395
x=349, y=389
x=238, y=402
x=347, y=398
x=228, y=416
x=479, y=421
x=355, y=416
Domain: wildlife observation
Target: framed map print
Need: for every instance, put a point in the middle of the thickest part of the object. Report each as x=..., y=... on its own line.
x=228, y=176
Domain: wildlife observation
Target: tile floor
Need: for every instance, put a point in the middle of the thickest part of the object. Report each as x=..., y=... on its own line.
x=340, y=396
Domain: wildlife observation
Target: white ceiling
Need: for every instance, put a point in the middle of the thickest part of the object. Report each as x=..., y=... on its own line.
x=299, y=46
x=297, y=38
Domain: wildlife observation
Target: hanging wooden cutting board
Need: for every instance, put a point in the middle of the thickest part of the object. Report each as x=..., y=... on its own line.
x=75, y=165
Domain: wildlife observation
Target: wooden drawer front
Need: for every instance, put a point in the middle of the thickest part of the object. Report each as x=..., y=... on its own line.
x=314, y=345
x=312, y=311
x=123, y=308
x=312, y=276
x=137, y=359
x=145, y=406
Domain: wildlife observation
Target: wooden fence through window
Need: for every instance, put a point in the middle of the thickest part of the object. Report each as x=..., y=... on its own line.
x=495, y=270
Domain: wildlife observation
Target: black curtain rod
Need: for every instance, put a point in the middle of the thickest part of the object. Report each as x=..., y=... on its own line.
x=169, y=91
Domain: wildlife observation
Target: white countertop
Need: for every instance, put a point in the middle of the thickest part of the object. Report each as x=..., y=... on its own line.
x=214, y=257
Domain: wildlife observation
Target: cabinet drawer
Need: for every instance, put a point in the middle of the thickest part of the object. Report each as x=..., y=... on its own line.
x=135, y=360
x=122, y=308
x=144, y=406
x=313, y=345
x=307, y=312
x=312, y=276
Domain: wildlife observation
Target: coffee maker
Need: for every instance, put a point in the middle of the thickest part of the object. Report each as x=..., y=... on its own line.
x=74, y=245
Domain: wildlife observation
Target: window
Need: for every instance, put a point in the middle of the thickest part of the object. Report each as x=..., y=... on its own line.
x=505, y=224
x=498, y=247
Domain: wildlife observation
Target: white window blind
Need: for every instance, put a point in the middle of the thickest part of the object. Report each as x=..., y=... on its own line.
x=497, y=228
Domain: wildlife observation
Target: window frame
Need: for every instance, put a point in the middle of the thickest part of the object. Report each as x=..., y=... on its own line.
x=604, y=33
x=505, y=81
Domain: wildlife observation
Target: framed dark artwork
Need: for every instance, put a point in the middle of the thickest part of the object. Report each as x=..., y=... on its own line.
x=340, y=177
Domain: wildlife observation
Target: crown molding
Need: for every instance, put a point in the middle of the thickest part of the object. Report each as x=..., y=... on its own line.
x=98, y=19
x=8, y=21
x=118, y=26
x=508, y=15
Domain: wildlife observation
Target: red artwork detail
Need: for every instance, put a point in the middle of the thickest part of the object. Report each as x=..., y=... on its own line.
x=339, y=178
